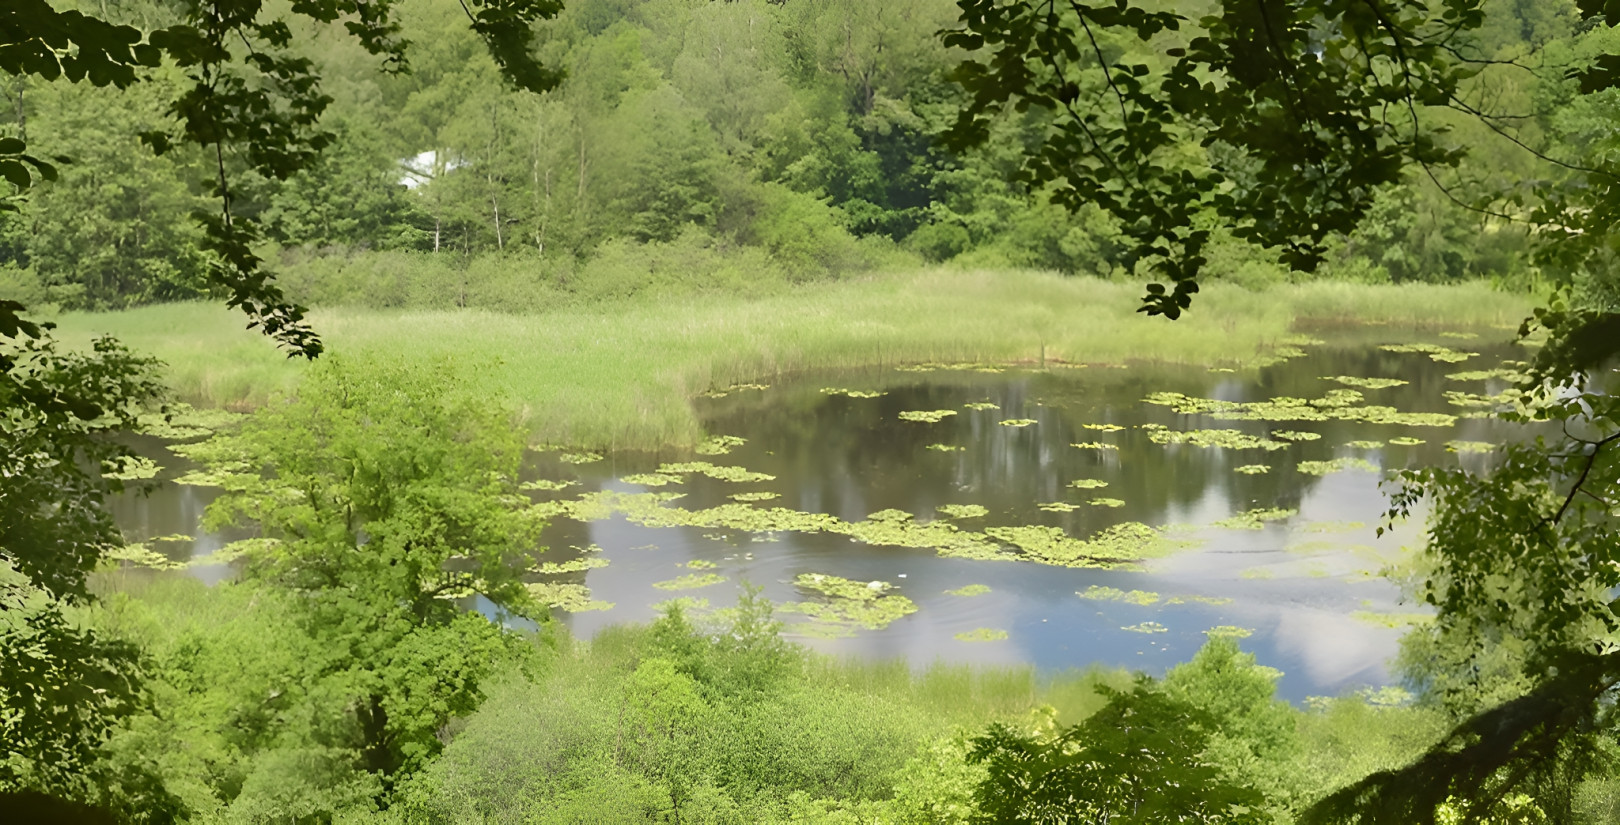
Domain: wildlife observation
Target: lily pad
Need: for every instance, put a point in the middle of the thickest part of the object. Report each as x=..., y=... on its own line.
x=690, y=581
x=963, y=510
x=1254, y=519
x=926, y=416
x=758, y=495
x=1469, y=446
x=981, y=405
x=1107, y=502
x=1146, y=627
x=1337, y=465
x=574, y=598
x=1095, y=445
x=1228, y=631
x=579, y=458
x=652, y=479
x=945, y=448
x=1018, y=422
x=982, y=634
x=1295, y=435
x=1107, y=428
x=1252, y=469
x=547, y=485
x=1114, y=594
x=1367, y=383
x=719, y=444
x=1088, y=484
x=969, y=590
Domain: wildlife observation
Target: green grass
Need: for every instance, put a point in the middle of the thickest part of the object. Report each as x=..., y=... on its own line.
x=621, y=374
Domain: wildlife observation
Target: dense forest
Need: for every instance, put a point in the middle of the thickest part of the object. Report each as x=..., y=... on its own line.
x=378, y=633
x=722, y=144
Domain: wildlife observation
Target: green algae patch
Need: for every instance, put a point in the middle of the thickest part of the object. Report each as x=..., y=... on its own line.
x=1228, y=631
x=982, y=634
x=945, y=448
x=130, y=468
x=1209, y=600
x=1502, y=373
x=1252, y=469
x=1059, y=507
x=1103, y=501
x=733, y=474
x=700, y=564
x=1406, y=441
x=1254, y=519
x=1444, y=355
x=1229, y=439
x=1146, y=627
x=547, y=485
x=890, y=515
x=1364, y=445
x=982, y=405
x=848, y=604
x=719, y=444
x=1296, y=435
x=758, y=495
x=574, y=598
x=1366, y=383
x=690, y=581
x=1095, y=445
x=1337, y=465
x=1113, y=594
x=969, y=590
x=1018, y=422
x=1469, y=446
x=963, y=510
x=1105, y=428
x=1088, y=484
x=852, y=393
x=653, y=479
x=1391, y=620
x=926, y=416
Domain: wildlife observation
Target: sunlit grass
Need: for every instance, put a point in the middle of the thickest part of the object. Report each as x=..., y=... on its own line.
x=623, y=374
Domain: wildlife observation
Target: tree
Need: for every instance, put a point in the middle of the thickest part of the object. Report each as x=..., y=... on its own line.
x=1137, y=760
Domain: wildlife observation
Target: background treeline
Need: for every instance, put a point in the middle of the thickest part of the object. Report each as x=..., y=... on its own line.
x=695, y=144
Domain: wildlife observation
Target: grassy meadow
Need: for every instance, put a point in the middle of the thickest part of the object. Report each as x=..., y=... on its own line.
x=622, y=373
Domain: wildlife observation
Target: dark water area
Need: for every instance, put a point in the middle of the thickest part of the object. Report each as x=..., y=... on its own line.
x=1306, y=587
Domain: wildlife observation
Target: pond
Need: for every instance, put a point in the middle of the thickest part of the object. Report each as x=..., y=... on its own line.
x=1060, y=515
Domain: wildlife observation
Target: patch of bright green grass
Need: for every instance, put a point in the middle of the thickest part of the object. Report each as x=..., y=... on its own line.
x=624, y=374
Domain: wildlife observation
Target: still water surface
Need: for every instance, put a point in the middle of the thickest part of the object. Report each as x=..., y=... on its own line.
x=1305, y=585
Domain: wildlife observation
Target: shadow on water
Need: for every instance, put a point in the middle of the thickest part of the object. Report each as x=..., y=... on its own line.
x=1305, y=585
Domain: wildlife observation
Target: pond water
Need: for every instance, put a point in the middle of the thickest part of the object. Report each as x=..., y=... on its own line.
x=1173, y=514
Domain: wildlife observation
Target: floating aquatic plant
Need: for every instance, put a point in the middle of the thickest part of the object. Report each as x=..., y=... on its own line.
x=1486, y=375
x=758, y=495
x=576, y=566
x=1018, y=422
x=1344, y=405
x=700, y=564
x=1331, y=526
x=652, y=479
x=1114, y=594
x=1366, y=383
x=1258, y=573
x=1296, y=435
x=719, y=444
x=945, y=448
x=982, y=634
x=1364, y=445
x=1088, y=484
x=547, y=485
x=981, y=405
x=890, y=515
x=1228, y=631
x=1095, y=445
x=1469, y=446
x=1059, y=507
x=1252, y=469
x=1209, y=600
x=852, y=393
x=1254, y=519
x=1464, y=336
x=1391, y=620
x=969, y=590
x=1107, y=502
x=1106, y=428
x=871, y=605
x=1406, y=441
x=579, y=458
x=574, y=598
x=1229, y=439
x=139, y=555
x=734, y=474
x=1337, y=465
x=1146, y=627
x=1445, y=355
x=926, y=416
x=131, y=468
x=690, y=581
x=962, y=510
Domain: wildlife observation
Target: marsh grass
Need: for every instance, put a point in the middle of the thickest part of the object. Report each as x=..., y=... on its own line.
x=622, y=373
